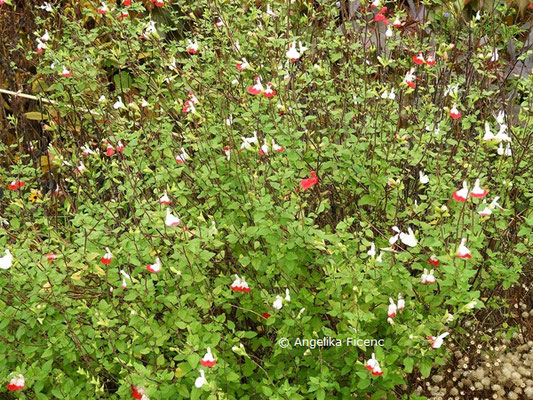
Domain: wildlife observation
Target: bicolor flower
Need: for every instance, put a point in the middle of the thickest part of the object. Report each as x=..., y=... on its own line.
x=436, y=342
x=277, y=147
x=455, y=113
x=309, y=182
x=433, y=260
x=158, y=3
x=80, y=168
x=488, y=209
x=85, y=150
x=171, y=220
x=40, y=46
x=264, y=149
x=16, y=383
x=293, y=54
x=461, y=194
x=66, y=73
x=241, y=66
x=240, y=285
x=270, y=13
x=430, y=60
x=124, y=277
x=373, y=365
x=269, y=93
x=257, y=88
x=138, y=393
x=6, y=261
x=109, y=150
x=120, y=146
x=392, y=308
x=477, y=191
x=16, y=185
x=227, y=152
x=410, y=78
x=419, y=59
x=106, y=258
x=155, y=267
x=427, y=277
x=401, y=302
x=208, y=360
x=397, y=23
x=164, y=199
x=200, y=381
x=103, y=9
x=463, y=251
x=182, y=157
x=51, y=257
x=219, y=23
x=192, y=47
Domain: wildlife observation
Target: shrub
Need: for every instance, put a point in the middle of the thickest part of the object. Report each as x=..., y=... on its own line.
x=71, y=329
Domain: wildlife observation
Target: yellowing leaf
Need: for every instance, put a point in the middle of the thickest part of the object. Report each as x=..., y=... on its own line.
x=34, y=115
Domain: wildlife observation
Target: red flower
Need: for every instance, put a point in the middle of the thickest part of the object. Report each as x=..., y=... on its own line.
x=127, y=2
x=266, y=315
x=309, y=182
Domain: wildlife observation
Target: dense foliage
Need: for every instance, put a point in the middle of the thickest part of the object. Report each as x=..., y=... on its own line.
x=70, y=327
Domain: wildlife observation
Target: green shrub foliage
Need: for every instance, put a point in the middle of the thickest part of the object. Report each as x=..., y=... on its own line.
x=73, y=331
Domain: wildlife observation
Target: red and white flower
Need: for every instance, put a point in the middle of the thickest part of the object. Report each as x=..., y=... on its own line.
x=461, y=194
x=264, y=149
x=410, y=78
x=455, y=113
x=192, y=47
x=488, y=209
x=427, y=277
x=103, y=9
x=373, y=365
x=227, y=152
x=436, y=342
x=138, y=393
x=66, y=73
x=16, y=184
x=124, y=277
x=219, y=23
x=270, y=13
x=277, y=147
x=401, y=302
x=171, y=220
x=477, y=191
x=51, y=257
x=397, y=23
x=433, y=260
x=155, y=267
x=182, y=157
x=164, y=199
x=208, y=360
x=430, y=60
x=158, y=3
x=393, y=309
x=269, y=93
x=293, y=54
x=120, y=146
x=109, y=150
x=419, y=59
x=257, y=88
x=239, y=285
x=16, y=383
x=463, y=251
x=241, y=66
x=106, y=258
